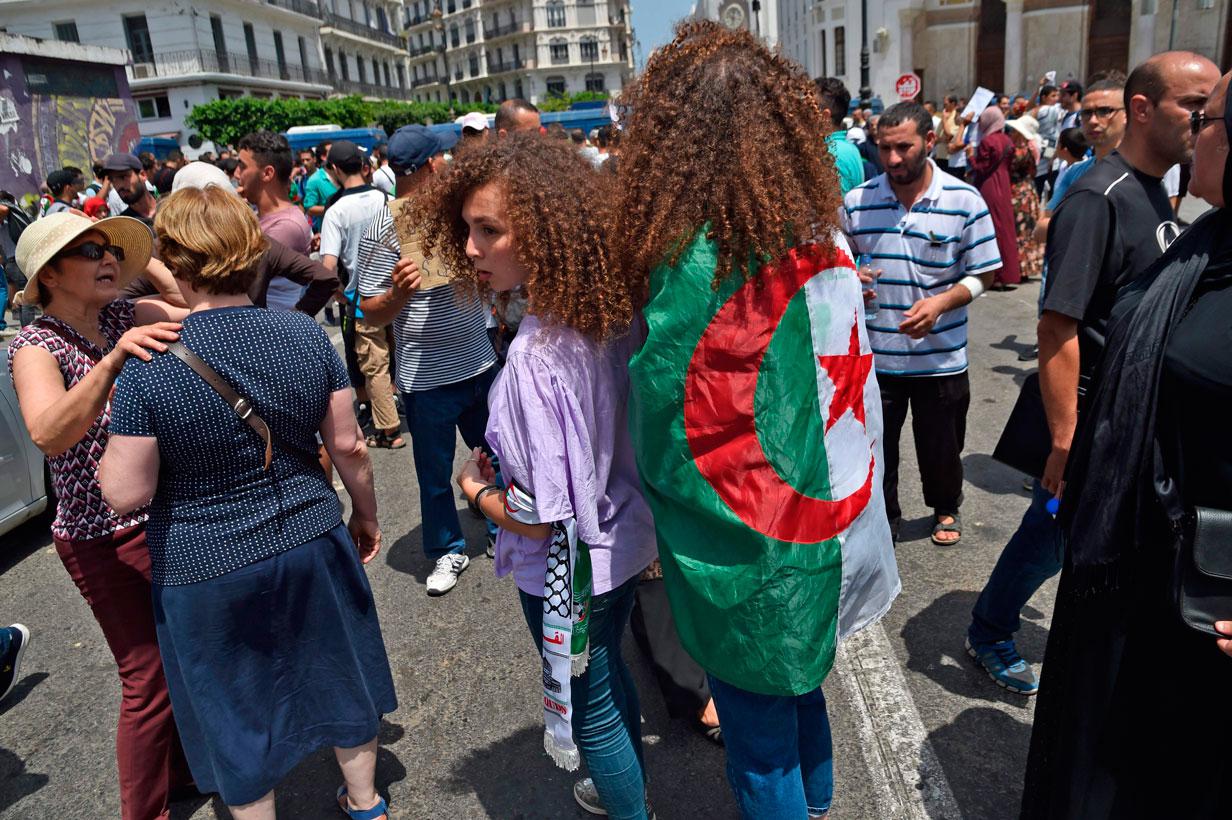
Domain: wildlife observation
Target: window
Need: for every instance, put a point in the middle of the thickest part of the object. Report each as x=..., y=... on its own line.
x=590, y=50
x=381, y=21
x=280, y=55
x=594, y=82
x=556, y=14
x=474, y=65
x=329, y=63
x=503, y=95
x=401, y=76
x=153, y=108
x=556, y=86
x=376, y=74
x=624, y=52
x=385, y=73
x=67, y=79
x=840, y=52
x=303, y=56
x=453, y=35
x=250, y=40
x=342, y=63
x=220, y=43
x=67, y=32
x=470, y=31
x=560, y=52
x=363, y=69
x=517, y=90
x=822, y=53
x=137, y=35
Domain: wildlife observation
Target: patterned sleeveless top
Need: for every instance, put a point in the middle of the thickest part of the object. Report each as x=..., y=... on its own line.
x=81, y=512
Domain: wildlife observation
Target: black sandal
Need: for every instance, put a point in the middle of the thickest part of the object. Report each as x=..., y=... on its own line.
x=955, y=527
x=385, y=441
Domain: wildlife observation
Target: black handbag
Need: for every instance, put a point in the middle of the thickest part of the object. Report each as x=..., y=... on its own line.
x=1026, y=441
x=1202, y=573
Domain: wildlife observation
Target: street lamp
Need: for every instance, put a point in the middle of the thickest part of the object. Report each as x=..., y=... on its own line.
x=438, y=25
x=866, y=93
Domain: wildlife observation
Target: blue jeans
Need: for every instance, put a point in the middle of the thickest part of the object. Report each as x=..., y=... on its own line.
x=780, y=758
x=431, y=416
x=4, y=298
x=607, y=716
x=1032, y=556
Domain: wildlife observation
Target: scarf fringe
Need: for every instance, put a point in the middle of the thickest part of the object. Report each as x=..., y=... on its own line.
x=567, y=759
x=579, y=662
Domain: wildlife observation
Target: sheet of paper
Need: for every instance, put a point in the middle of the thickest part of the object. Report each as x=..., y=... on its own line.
x=980, y=99
x=431, y=271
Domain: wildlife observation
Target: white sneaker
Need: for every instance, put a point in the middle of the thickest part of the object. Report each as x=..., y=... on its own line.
x=445, y=576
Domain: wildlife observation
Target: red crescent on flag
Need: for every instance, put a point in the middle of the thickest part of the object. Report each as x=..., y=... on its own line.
x=718, y=410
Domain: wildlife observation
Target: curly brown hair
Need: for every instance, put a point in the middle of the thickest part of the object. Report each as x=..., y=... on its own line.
x=721, y=132
x=558, y=209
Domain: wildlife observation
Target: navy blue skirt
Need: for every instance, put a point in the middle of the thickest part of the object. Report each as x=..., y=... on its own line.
x=271, y=662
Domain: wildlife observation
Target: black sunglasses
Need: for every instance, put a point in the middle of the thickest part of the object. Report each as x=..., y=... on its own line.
x=93, y=251
x=1198, y=120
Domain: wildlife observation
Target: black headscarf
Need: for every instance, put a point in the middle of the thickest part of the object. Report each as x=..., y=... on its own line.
x=1111, y=505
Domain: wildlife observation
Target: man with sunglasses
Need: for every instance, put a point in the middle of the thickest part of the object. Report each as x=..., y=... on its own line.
x=1114, y=222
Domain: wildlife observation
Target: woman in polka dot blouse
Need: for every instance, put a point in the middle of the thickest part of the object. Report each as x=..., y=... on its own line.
x=266, y=622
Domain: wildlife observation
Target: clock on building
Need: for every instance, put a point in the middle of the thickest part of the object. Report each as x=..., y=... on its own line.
x=733, y=16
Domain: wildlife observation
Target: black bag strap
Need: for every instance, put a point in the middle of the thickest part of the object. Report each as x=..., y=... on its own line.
x=242, y=407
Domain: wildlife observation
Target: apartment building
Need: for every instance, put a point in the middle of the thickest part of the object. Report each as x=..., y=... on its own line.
x=363, y=48
x=492, y=50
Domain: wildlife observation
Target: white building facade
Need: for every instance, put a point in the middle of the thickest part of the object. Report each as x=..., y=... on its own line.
x=186, y=53
x=493, y=50
x=1004, y=45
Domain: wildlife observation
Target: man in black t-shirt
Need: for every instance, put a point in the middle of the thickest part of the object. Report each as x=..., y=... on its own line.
x=1110, y=227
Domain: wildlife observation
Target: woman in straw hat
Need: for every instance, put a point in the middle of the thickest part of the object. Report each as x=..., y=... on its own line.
x=1024, y=133
x=63, y=366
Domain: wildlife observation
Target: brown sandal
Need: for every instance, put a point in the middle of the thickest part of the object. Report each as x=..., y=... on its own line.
x=385, y=441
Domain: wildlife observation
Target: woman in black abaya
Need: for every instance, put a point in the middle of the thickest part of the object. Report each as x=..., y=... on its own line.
x=1133, y=717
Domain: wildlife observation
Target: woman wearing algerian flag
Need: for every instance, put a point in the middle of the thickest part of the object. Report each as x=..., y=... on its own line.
x=575, y=530
x=755, y=413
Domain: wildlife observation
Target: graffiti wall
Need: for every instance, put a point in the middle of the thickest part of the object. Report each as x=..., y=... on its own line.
x=55, y=113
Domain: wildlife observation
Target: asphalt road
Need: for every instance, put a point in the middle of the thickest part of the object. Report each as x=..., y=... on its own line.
x=919, y=731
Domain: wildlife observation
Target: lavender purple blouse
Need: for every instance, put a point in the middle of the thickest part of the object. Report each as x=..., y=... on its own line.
x=558, y=423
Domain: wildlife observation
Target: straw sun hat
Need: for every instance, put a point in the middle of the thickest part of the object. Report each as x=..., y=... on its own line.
x=48, y=236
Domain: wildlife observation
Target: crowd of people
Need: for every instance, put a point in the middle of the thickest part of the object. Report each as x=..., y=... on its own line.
x=614, y=332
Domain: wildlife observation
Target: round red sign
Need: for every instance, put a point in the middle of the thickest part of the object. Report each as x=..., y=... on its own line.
x=908, y=86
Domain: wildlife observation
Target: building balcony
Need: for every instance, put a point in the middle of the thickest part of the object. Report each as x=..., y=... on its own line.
x=309, y=8
x=505, y=67
x=419, y=51
x=417, y=20
x=422, y=81
x=194, y=62
x=365, y=32
x=495, y=32
x=367, y=89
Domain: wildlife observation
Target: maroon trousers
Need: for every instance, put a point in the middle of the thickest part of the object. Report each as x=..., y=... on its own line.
x=113, y=574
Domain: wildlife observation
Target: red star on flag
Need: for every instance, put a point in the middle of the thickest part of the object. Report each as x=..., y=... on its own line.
x=848, y=373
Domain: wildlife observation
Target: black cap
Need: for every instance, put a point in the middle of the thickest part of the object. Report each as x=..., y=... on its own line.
x=1071, y=87
x=412, y=146
x=122, y=162
x=56, y=180
x=345, y=153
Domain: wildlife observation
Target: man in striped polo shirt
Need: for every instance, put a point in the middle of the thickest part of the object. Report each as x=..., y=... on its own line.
x=443, y=361
x=932, y=238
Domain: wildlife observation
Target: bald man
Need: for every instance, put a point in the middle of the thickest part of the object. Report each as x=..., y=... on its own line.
x=1114, y=222
x=516, y=115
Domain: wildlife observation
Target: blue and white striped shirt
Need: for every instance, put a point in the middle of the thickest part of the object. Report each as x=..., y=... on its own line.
x=946, y=235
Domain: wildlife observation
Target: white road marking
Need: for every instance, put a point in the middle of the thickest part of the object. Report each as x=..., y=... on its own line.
x=907, y=775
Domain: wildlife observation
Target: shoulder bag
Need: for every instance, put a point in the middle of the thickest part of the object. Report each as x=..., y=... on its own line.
x=242, y=407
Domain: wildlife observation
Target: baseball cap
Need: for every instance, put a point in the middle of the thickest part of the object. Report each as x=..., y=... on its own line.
x=200, y=175
x=121, y=162
x=56, y=180
x=1071, y=87
x=474, y=121
x=412, y=146
x=345, y=152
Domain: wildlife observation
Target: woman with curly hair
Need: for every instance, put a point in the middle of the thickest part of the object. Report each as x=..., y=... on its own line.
x=755, y=414
x=575, y=531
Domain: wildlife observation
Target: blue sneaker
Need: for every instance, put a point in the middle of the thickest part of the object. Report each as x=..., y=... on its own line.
x=10, y=662
x=1005, y=666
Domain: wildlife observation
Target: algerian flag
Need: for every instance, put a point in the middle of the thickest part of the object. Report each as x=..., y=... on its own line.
x=757, y=423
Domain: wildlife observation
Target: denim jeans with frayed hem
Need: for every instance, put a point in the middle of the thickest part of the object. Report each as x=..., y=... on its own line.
x=780, y=757
x=607, y=715
x=432, y=416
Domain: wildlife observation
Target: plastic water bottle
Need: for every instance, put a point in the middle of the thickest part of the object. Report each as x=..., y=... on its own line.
x=870, y=308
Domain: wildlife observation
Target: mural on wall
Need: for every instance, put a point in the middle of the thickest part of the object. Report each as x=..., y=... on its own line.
x=42, y=128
